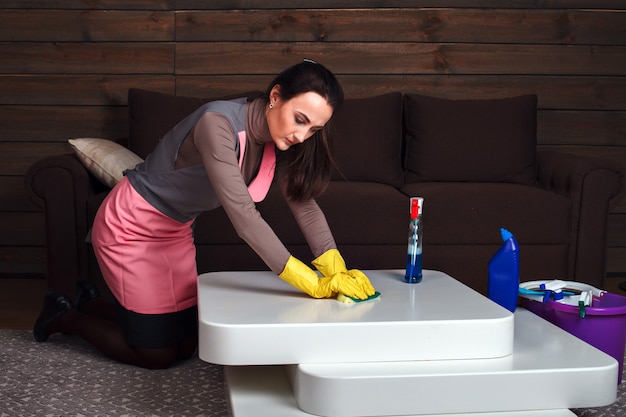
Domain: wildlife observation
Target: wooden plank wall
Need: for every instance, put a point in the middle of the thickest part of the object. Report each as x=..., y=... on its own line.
x=66, y=68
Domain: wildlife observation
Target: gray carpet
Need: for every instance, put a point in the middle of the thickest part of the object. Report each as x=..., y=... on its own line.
x=66, y=377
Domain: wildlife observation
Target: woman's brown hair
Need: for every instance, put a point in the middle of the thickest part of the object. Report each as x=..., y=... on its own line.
x=309, y=164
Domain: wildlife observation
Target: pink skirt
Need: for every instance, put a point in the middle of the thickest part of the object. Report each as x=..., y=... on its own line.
x=148, y=259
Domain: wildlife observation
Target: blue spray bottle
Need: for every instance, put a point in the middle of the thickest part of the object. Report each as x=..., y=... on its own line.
x=414, y=252
x=504, y=272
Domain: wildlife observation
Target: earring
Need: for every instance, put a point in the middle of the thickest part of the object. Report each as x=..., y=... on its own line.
x=271, y=106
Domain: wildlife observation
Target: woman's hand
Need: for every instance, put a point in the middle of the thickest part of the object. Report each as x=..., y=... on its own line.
x=353, y=283
x=331, y=263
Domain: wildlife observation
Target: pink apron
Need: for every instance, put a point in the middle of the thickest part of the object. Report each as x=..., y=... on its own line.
x=148, y=259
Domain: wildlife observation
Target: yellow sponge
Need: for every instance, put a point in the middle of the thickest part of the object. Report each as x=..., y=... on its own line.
x=351, y=300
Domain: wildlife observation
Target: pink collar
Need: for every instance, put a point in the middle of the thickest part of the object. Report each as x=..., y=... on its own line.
x=260, y=184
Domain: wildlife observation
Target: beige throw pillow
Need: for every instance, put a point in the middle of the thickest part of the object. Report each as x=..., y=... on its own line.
x=105, y=159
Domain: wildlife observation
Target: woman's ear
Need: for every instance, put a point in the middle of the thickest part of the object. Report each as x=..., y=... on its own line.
x=275, y=93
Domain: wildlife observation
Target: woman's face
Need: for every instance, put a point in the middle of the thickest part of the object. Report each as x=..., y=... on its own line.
x=294, y=121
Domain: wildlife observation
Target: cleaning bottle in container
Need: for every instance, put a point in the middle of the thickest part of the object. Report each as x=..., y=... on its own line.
x=414, y=253
x=504, y=272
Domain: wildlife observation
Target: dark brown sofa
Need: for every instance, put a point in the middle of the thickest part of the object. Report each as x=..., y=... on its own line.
x=474, y=161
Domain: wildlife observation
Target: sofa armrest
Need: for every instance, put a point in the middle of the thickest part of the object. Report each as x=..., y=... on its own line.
x=61, y=186
x=594, y=186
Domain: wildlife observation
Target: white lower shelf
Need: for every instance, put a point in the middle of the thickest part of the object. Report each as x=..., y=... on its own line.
x=549, y=369
x=548, y=372
x=264, y=391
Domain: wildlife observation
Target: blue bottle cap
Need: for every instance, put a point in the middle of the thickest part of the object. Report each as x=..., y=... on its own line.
x=506, y=235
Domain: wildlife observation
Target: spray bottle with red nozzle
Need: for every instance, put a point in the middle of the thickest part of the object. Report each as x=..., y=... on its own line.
x=414, y=252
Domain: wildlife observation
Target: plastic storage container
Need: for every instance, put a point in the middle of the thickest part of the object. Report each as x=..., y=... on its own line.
x=603, y=325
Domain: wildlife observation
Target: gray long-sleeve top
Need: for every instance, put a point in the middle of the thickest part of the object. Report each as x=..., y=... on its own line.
x=195, y=168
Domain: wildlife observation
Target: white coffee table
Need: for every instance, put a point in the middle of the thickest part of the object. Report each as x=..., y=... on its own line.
x=545, y=372
x=254, y=318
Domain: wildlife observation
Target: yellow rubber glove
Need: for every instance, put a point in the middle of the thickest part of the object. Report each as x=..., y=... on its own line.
x=306, y=280
x=331, y=262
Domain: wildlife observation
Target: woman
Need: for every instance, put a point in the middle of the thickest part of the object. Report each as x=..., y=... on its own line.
x=223, y=154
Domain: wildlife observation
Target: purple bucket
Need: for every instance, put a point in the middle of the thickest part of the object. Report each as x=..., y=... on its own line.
x=604, y=324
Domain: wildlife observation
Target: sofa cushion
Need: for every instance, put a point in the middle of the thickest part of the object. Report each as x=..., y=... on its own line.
x=366, y=213
x=368, y=144
x=464, y=214
x=488, y=140
x=153, y=114
x=105, y=159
